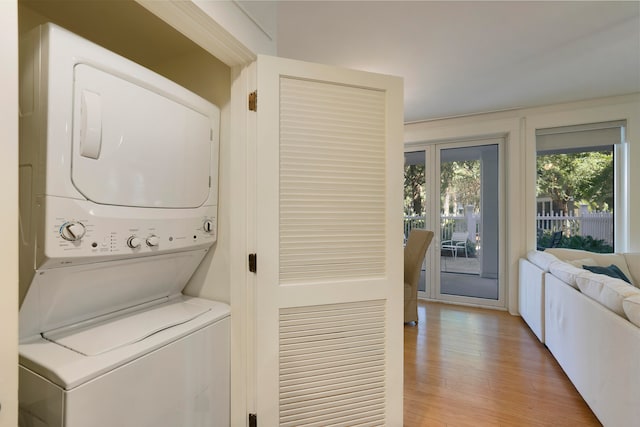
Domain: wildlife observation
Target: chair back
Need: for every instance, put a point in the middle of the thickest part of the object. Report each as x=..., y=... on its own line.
x=460, y=236
x=556, y=238
x=414, y=251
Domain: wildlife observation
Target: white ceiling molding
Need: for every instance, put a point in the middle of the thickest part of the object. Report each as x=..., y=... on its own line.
x=202, y=22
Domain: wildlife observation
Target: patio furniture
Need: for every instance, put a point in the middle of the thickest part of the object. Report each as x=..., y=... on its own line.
x=554, y=242
x=458, y=241
x=414, y=252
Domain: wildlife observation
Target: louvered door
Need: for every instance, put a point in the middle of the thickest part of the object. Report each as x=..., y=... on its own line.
x=329, y=288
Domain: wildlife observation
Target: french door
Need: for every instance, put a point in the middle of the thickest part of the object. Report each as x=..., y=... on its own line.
x=328, y=286
x=455, y=189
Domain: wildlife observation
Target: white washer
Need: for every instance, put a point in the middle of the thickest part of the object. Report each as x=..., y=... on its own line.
x=118, y=175
x=166, y=365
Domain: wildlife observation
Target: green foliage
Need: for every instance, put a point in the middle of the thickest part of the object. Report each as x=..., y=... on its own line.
x=586, y=243
x=414, y=192
x=581, y=177
x=460, y=181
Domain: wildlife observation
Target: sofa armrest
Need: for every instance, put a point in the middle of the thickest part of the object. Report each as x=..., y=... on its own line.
x=531, y=296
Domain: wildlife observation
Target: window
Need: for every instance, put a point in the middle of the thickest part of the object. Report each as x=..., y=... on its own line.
x=575, y=186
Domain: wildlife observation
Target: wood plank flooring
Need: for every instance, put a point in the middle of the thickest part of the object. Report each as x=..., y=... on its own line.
x=472, y=367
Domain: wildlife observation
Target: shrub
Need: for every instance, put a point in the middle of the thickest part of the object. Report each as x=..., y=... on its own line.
x=586, y=243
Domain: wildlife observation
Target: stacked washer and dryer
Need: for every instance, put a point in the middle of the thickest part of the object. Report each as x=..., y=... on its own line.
x=118, y=207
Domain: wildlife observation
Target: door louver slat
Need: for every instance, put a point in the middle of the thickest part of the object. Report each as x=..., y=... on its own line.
x=332, y=365
x=332, y=181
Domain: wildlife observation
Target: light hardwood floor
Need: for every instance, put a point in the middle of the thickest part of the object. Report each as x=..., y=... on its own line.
x=473, y=367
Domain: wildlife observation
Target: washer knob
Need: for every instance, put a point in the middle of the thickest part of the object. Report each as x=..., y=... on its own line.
x=208, y=226
x=153, y=240
x=134, y=242
x=72, y=231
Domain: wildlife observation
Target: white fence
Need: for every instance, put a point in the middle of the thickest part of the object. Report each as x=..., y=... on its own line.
x=598, y=225
x=448, y=224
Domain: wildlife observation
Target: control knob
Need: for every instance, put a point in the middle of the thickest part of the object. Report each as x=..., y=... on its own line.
x=208, y=226
x=153, y=240
x=134, y=242
x=72, y=231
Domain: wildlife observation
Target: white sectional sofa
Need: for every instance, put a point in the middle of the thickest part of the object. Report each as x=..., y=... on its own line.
x=591, y=324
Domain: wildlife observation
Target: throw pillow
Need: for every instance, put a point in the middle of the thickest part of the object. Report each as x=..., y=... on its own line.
x=611, y=271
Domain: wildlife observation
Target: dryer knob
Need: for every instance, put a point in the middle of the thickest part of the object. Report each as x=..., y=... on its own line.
x=153, y=240
x=134, y=242
x=208, y=226
x=72, y=231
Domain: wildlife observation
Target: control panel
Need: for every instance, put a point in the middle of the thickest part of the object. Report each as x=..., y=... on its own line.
x=78, y=232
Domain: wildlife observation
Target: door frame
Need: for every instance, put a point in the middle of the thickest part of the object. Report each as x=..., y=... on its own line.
x=432, y=217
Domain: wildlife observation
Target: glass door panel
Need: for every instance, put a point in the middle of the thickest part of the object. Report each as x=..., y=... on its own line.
x=469, y=221
x=415, y=202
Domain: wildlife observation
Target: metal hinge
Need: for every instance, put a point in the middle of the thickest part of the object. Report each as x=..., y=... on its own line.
x=253, y=420
x=253, y=263
x=253, y=101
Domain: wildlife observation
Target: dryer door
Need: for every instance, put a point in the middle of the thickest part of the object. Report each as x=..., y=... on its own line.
x=134, y=146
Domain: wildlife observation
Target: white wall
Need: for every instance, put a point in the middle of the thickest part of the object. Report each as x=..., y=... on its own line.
x=519, y=128
x=9, y=213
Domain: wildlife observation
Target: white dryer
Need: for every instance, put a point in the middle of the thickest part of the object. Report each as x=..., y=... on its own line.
x=118, y=207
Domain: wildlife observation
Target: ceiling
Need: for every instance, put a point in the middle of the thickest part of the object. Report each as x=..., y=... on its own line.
x=461, y=58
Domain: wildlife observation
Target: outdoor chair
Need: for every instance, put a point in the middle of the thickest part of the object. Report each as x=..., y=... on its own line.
x=554, y=242
x=458, y=241
x=414, y=252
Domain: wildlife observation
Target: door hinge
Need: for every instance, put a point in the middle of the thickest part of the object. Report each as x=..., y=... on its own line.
x=253, y=101
x=253, y=263
x=253, y=420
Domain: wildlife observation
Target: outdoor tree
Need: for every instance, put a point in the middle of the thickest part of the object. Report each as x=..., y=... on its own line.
x=585, y=177
x=460, y=184
x=414, y=189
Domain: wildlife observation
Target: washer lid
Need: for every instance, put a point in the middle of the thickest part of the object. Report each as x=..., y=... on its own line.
x=97, y=338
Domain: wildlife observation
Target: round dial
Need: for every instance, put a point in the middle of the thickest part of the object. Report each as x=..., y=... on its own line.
x=153, y=240
x=134, y=242
x=208, y=226
x=72, y=231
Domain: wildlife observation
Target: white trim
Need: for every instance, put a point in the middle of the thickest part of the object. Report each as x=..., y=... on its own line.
x=433, y=197
x=196, y=23
x=506, y=125
x=242, y=401
x=627, y=206
x=9, y=213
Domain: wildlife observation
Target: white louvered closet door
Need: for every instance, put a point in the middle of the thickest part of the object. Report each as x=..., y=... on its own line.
x=329, y=288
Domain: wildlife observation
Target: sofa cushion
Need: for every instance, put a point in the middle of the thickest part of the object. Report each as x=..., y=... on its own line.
x=631, y=306
x=611, y=271
x=541, y=259
x=566, y=272
x=600, y=259
x=582, y=261
x=608, y=291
